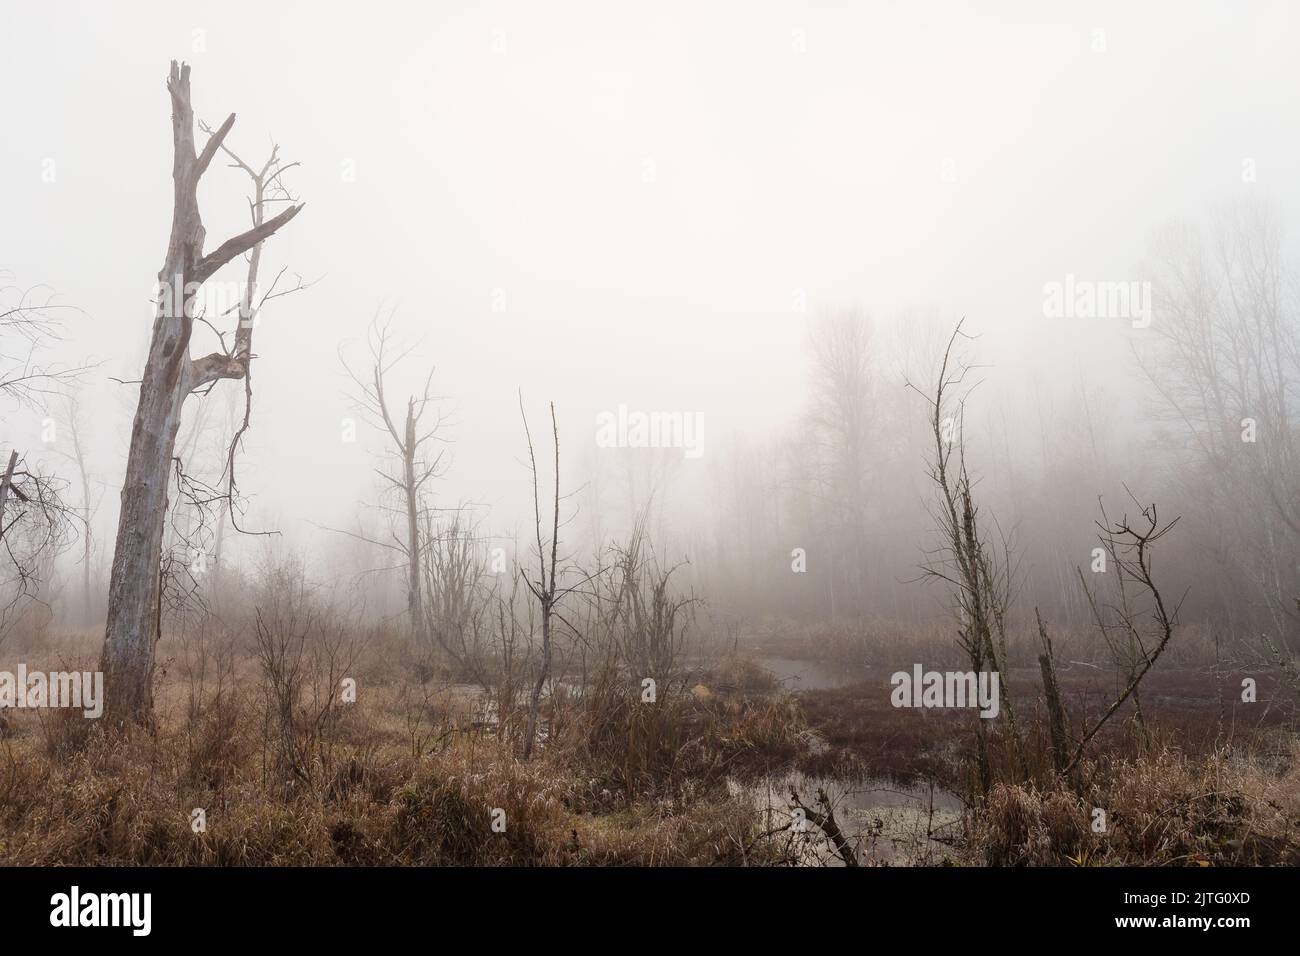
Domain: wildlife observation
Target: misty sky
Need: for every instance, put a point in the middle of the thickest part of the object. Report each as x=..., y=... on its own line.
x=645, y=192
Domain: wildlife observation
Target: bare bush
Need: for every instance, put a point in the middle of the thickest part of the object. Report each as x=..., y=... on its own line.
x=1137, y=633
x=304, y=652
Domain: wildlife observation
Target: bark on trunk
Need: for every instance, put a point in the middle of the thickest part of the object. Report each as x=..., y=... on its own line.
x=169, y=376
x=5, y=482
x=1052, y=694
x=535, y=699
x=134, y=585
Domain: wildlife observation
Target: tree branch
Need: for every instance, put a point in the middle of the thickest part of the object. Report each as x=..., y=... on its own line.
x=240, y=244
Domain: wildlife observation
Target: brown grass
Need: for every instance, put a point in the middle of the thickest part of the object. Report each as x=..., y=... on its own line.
x=410, y=774
x=1169, y=810
x=405, y=776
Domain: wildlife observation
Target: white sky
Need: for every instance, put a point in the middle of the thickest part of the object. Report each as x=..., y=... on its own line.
x=504, y=146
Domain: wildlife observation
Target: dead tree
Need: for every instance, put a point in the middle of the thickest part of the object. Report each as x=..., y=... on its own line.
x=35, y=523
x=824, y=820
x=1224, y=365
x=27, y=329
x=1052, y=695
x=647, y=620
x=269, y=190
x=170, y=377
x=1130, y=550
x=978, y=570
x=841, y=420
x=453, y=564
x=544, y=588
x=408, y=442
x=35, y=526
x=6, y=482
x=87, y=507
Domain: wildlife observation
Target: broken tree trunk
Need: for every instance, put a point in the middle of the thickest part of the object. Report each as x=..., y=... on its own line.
x=1052, y=695
x=825, y=821
x=169, y=377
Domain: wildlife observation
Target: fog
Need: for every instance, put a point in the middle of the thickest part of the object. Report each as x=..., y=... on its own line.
x=756, y=434
x=649, y=208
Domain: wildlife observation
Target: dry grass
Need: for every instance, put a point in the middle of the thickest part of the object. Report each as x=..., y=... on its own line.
x=405, y=776
x=1170, y=810
x=740, y=672
x=411, y=774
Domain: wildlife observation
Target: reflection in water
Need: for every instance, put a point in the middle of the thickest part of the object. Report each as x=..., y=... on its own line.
x=796, y=675
x=887, y=823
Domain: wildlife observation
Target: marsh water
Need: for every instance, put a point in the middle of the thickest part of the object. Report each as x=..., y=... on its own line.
x=796, y=675
x=886, y=822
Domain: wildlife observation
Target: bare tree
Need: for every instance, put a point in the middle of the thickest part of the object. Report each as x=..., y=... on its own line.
x=1225, y=366
x=544, y=588
x=840, y=420
x=35, y=526
x=978, y=570
x=88, y=507
x=1137, y=635
x=408, y=442
x=27, y=329
x=35, y=522
x=453, y=566
x=646, y=619
x=170, y=377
